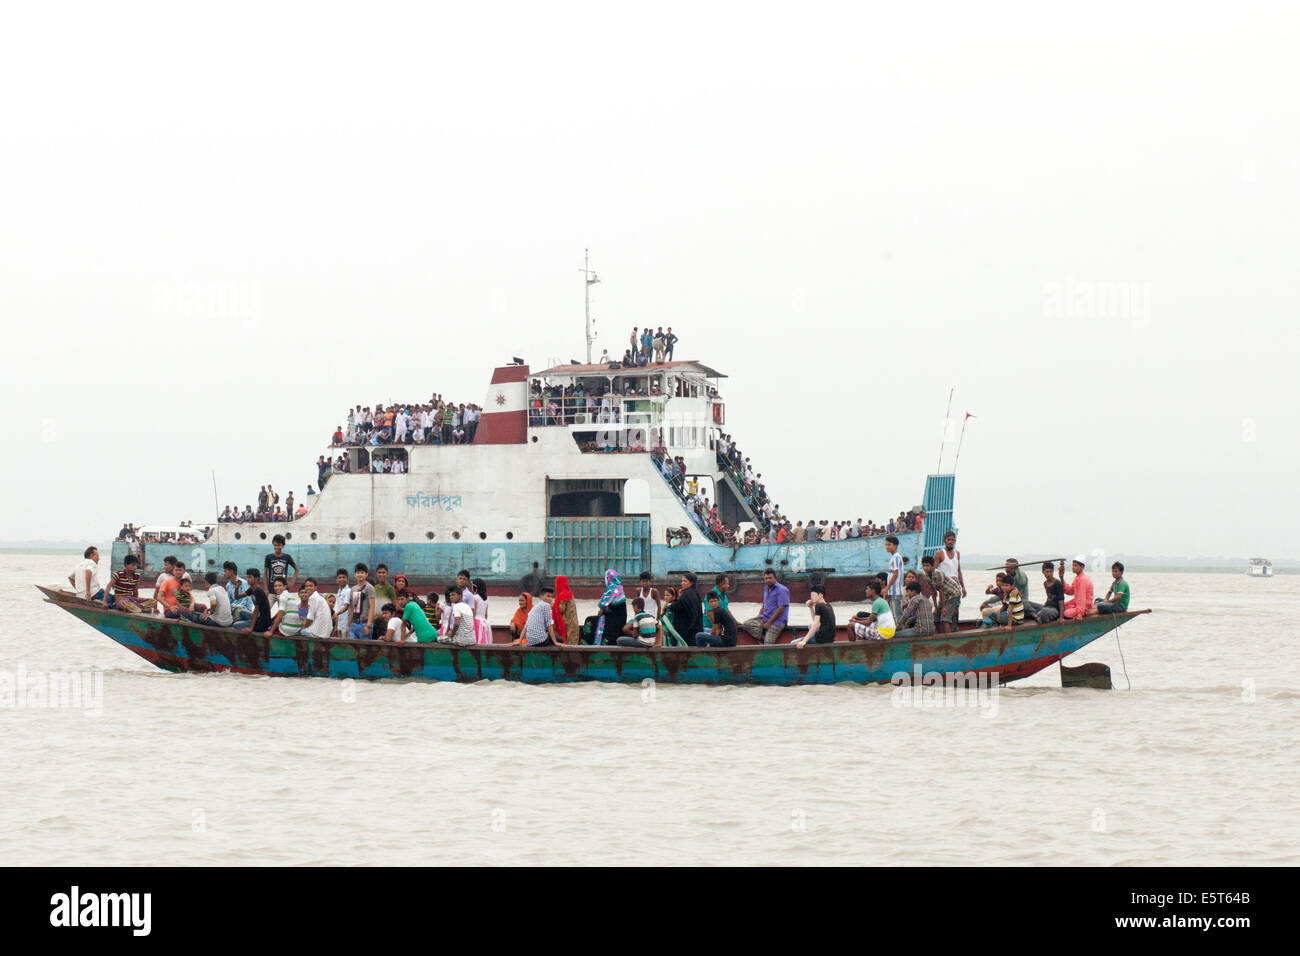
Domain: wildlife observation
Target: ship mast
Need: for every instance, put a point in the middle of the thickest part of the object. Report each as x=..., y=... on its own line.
x=591, y=279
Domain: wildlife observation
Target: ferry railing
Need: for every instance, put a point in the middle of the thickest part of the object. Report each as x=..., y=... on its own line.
x=678, y=486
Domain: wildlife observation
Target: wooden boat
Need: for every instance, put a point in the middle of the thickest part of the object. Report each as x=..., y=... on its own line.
x=1005, y=653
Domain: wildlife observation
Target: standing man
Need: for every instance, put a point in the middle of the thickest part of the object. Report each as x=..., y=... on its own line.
x=1080, y=588
x=362, y=618
x=946, y=594
x=772, y=619
x=342, y=603
x=385, y=593
x=1117, y=595
x=277, y=563
x=894, y=584
x=948, y=560
x=669, y=341
x=85, y=576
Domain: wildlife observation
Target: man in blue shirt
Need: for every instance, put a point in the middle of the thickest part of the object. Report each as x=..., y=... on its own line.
x=776, y=610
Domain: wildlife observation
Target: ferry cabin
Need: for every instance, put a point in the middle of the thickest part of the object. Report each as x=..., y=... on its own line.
x=562, y=472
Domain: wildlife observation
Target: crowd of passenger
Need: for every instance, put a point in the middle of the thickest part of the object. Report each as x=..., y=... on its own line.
x=268, y=507
x=184, y=533
x=435, y=422
x=901, y=602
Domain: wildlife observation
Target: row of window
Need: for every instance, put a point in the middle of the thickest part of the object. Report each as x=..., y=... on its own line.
x=352, y=535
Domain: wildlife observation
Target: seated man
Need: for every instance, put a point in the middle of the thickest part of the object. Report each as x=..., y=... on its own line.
x=642, y=629
x=165, y=588
x=237, y=592
x=417, y=628
x=1081, y=588
x=389, y=624
x=822, y=628
x=1117, y=596
x=217, y=613
x=917, y=619
x=123, y=593
x=723, y=631
x=84, y=576
x=1050, y=610
x=878, y=623
x=539, y=629
x=775, y=611
x=460, y=626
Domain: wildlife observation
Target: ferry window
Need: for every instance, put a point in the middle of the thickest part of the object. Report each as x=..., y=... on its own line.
x=510, y=535
x=391, y=536
x=482, y=535
x=288, y=536
x=262, y=535
x=313, y=535
x=238, y=536
x=456, y=535
x=352, y=535
x=429, y=535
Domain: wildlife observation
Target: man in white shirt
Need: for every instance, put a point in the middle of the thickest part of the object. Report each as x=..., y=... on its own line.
x=85, y=576
x=398, y=467
x=317, y=621
x=218, y=602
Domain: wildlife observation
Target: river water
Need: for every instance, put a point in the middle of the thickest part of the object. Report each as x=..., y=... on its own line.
x=1198, y=763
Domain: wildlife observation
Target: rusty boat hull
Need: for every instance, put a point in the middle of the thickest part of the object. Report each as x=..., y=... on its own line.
x=1002, y=654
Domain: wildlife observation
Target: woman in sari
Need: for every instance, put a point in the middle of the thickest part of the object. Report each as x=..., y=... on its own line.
x=613, y=609
x=521, y=618
x=670, y=636
x=564, y=612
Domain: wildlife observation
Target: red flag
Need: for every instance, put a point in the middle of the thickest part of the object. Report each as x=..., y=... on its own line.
x=968, y=415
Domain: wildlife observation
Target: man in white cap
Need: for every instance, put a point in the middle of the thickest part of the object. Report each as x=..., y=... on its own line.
x=1080, y=588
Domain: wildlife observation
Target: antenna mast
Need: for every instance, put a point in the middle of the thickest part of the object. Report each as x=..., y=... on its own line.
x=591, y=279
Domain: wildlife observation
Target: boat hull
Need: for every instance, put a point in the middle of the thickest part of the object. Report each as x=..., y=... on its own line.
x=1001, y=653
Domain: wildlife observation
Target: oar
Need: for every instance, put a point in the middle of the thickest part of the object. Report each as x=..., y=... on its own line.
x=1025, y=564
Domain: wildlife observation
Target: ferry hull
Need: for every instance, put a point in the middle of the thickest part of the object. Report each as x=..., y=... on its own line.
x=843, y=565
x=1006, y=654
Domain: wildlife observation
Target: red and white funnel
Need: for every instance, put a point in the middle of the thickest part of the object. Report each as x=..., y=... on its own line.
x=505, y=412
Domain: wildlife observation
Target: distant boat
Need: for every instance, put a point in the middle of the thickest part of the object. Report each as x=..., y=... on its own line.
x=1259, y=568
x=1001, y=654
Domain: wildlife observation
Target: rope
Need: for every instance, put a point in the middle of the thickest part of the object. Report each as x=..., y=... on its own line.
x=1123, y=662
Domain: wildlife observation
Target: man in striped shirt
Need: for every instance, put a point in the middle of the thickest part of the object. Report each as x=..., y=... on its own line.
x=124, y=585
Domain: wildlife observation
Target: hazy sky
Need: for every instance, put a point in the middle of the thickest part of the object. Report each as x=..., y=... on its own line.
x=219, y=231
